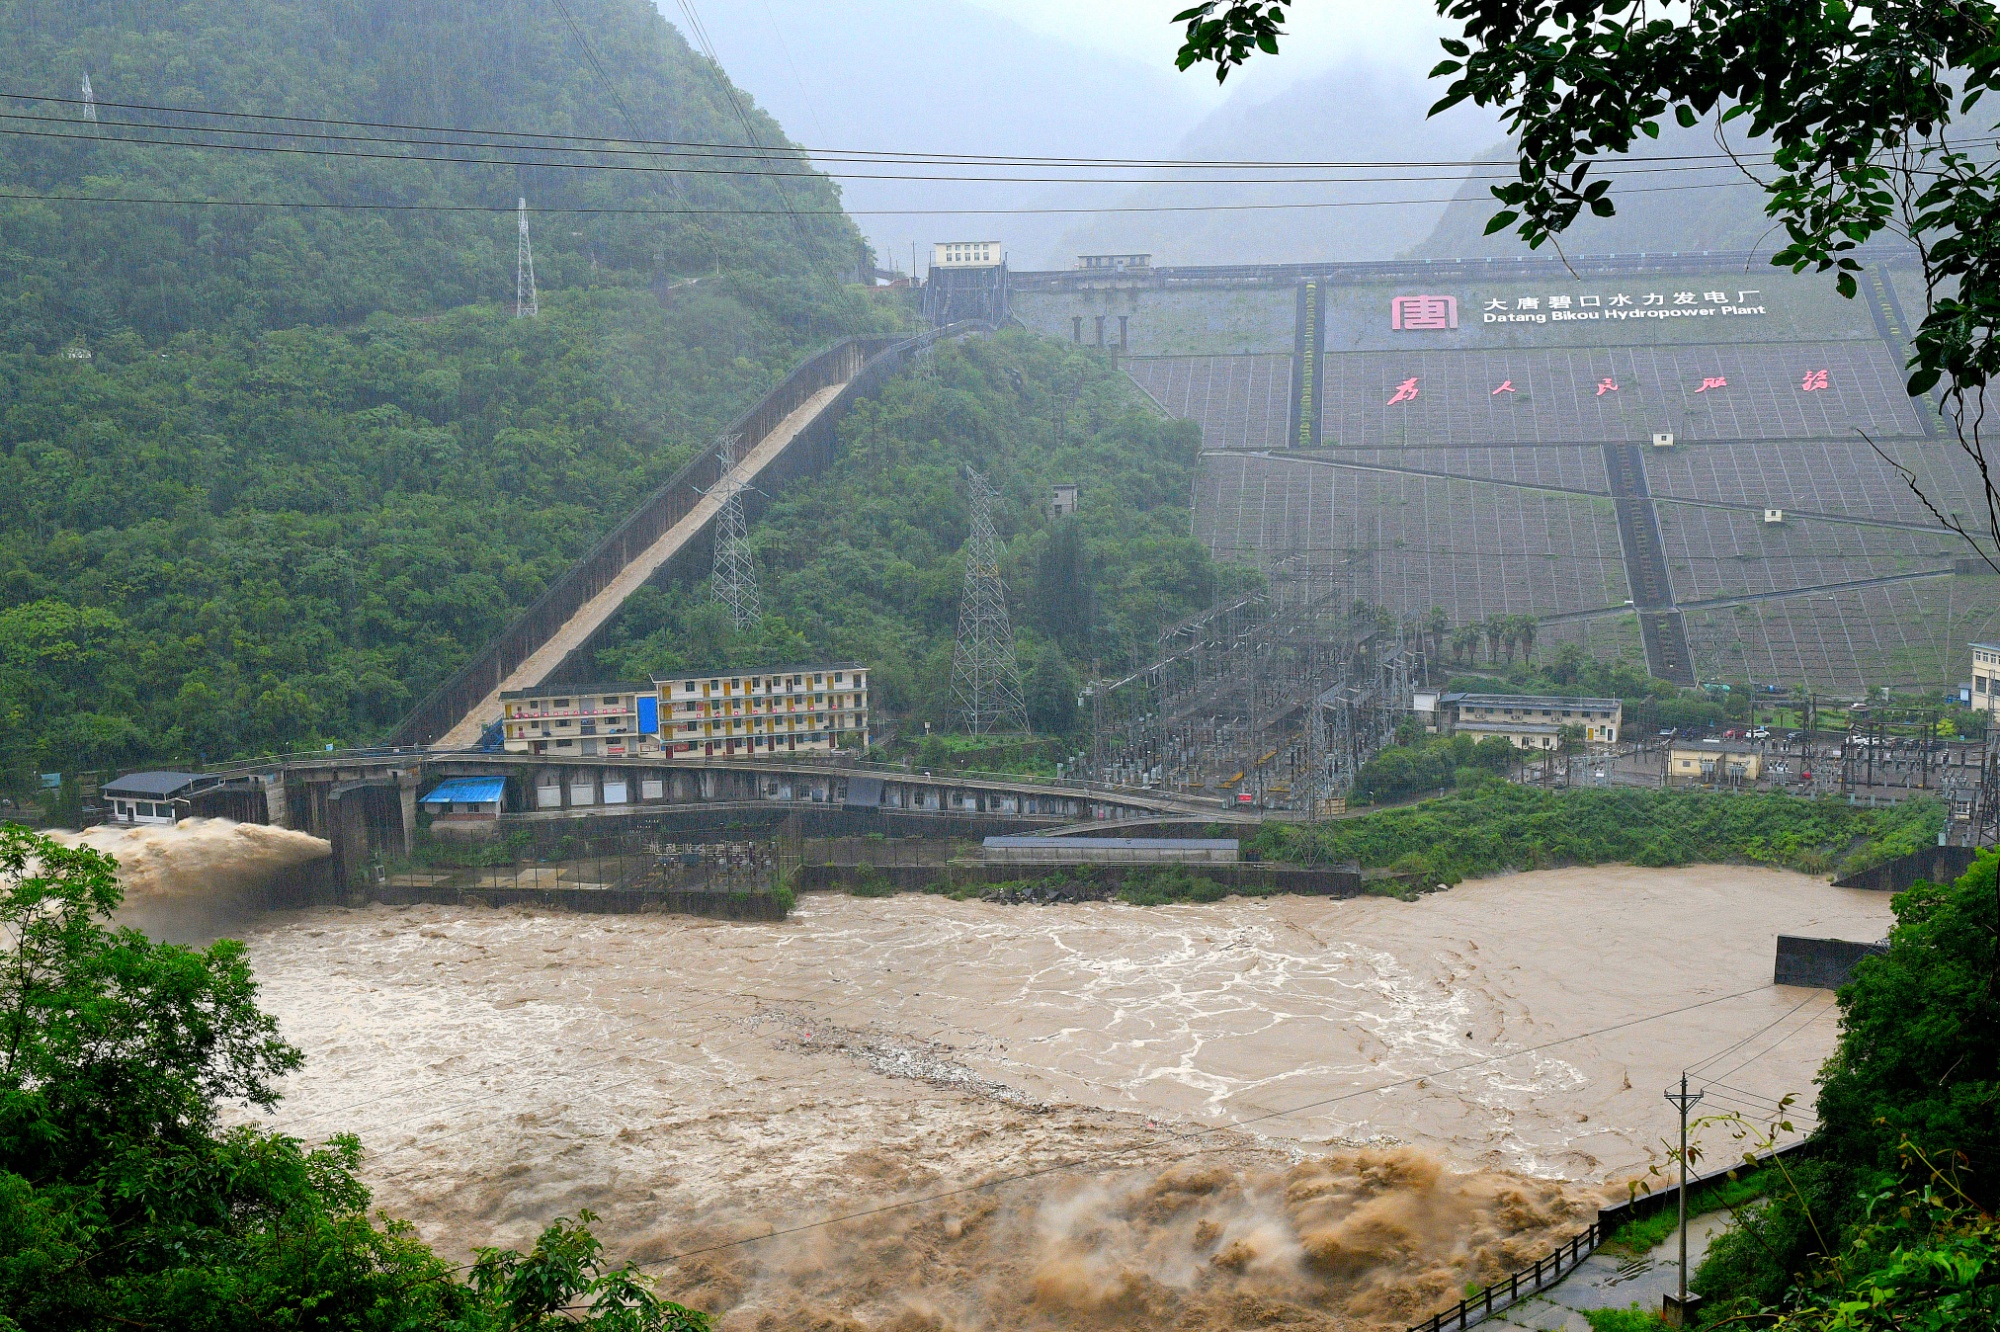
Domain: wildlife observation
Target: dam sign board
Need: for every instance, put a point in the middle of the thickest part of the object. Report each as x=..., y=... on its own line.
x=1623, y=310
x=1414, y=314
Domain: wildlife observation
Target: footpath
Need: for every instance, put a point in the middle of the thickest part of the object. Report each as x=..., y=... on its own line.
x=1610, y=1280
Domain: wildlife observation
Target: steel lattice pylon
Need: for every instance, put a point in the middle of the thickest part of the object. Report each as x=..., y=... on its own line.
x=734, y=581
x=526, y=306
x=984, y=673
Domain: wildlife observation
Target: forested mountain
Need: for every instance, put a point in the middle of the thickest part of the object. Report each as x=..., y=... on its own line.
x=1358, y=111
x=266, y=474
x=966, y=79
x=865, y=564
x=1678, y=194
x=508, y=65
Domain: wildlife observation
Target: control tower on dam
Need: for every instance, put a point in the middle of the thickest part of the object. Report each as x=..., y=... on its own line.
x=1668, y=457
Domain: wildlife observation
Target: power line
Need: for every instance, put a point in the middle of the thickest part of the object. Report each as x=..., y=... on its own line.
x=721, y=81
x=768, y=212
x=809, y=172
x=631, y=125
x=1088, y=1158
x=885, y=153
x=1728, y=1050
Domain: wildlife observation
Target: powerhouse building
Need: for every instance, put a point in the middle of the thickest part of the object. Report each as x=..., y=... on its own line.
x=769, y=712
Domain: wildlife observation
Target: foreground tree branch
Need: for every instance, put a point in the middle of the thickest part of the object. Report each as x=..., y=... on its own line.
x=1870, y=114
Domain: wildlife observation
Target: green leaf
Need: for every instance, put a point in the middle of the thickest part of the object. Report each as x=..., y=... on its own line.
x=1500, y=222
x=1685, y=115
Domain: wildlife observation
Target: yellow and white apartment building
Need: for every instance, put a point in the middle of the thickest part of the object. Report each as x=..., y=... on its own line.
x=766, y=713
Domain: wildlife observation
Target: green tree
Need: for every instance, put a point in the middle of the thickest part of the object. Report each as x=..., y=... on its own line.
x=1051, y=694
x=124, y=1204
x=1062, y=596
x=1869, y=113
x=1889, y=1223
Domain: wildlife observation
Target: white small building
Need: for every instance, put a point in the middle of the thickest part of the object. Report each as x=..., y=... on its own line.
x=967, y=254
x=467, y=799
x=1114, y=263
x=1533, y=721
x=1986, y=677
x=159, y=798
x=1062, y=500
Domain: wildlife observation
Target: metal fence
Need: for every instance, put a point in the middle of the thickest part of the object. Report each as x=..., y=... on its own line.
x=1525, y=1284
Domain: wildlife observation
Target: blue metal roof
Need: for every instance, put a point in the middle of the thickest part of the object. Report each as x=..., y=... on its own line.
x=466, y=791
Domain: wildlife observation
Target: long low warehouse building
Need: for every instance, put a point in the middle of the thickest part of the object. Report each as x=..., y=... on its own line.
x=1032, y=850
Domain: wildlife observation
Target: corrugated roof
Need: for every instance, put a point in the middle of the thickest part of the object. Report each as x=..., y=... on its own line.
x=151, y=785
x=466, y=791
x=578, y=690
x=1115, y=843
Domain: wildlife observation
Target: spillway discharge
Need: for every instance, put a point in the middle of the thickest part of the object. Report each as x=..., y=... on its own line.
x=189, y=880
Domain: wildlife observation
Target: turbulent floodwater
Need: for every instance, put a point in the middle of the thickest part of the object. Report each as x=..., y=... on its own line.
x=188, y=881
x=1334, y=1112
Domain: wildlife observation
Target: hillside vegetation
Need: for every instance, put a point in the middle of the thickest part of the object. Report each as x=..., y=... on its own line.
x=863, y=562
x=267, y=475
x=1495, y=826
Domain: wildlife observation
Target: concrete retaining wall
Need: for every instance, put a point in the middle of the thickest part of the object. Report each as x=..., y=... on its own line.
x=1933, y=864
x=1666, y=1195
x=1307, y=882
x=1822, y=964
x=601, y=901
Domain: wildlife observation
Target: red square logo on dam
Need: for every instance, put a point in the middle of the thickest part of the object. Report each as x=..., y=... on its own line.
x=1415, y=313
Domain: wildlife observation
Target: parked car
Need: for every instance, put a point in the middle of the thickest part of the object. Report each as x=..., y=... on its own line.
x=1761, y=733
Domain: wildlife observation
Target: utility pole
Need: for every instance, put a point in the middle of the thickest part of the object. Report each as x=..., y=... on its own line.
x=526, y=306
x=1675, y=1312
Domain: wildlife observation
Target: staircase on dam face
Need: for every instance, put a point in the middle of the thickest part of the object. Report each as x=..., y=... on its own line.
x=788, y=433
x=1661, y=626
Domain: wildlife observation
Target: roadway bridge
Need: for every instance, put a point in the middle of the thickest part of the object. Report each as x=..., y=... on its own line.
x=366, y=801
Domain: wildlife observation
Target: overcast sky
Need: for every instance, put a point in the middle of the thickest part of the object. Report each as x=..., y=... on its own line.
x=1323, y=32
x=1079, y=78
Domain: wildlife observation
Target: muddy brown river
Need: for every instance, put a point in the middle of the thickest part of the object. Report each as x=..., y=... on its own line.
x=913, y=1113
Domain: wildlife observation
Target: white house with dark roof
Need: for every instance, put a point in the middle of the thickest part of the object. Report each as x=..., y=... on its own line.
x=159, y=798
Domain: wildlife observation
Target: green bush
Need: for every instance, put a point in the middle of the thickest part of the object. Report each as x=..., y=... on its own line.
x=1889, y=1224
x=869, y=881
x=1629, y=1319
x=1431, y=765
x=1500, y=826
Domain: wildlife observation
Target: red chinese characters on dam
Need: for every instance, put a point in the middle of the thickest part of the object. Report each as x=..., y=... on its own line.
x=1813, y=381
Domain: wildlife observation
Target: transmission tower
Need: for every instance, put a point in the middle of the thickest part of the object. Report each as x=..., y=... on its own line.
x=89, y=100
x=984, y=673
x=734, y=580
x=525, y=304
